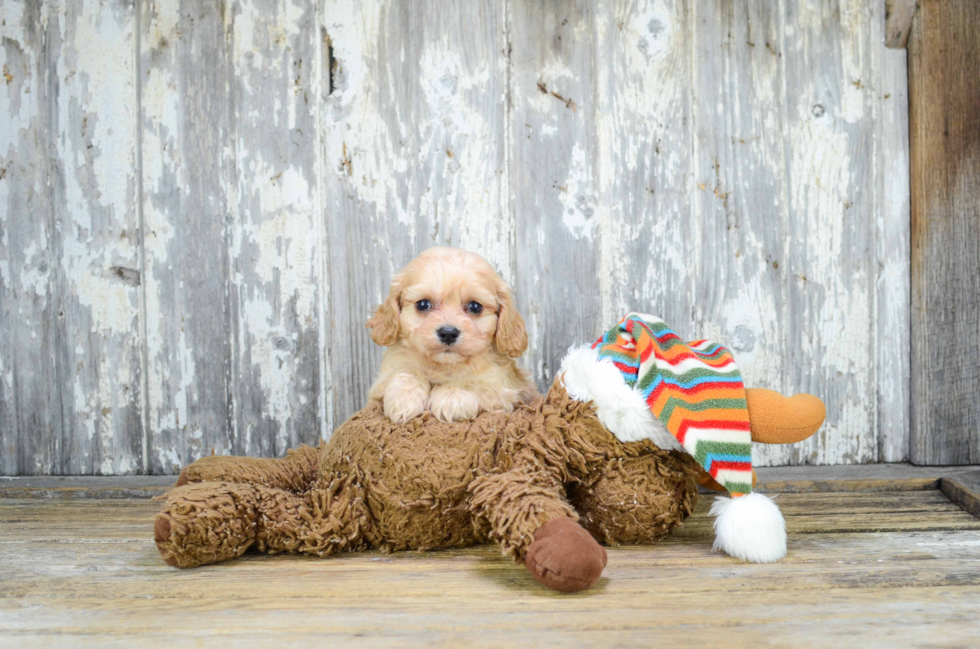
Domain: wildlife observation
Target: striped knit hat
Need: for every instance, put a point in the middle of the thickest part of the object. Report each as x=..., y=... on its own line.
x=646, y=383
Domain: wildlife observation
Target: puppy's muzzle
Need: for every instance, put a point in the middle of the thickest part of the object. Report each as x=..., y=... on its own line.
x=447, y=335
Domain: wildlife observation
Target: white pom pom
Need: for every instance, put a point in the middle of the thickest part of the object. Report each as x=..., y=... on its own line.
x=750, y=528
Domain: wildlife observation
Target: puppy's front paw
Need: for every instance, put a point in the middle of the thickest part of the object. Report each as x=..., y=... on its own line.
x=453, y=404
x=404, y=399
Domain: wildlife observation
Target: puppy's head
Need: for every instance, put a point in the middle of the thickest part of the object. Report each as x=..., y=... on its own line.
x=449, y=305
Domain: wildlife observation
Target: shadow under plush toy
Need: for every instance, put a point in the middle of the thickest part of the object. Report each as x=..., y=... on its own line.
x=613, y=453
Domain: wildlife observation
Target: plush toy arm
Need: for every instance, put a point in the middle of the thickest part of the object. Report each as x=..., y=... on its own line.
x=295, y=472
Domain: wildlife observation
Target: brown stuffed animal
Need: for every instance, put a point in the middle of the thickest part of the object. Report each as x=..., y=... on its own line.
x=545, y=482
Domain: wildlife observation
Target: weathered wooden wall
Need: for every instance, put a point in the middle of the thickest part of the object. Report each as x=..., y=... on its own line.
x=202, y=201
x=944, y=86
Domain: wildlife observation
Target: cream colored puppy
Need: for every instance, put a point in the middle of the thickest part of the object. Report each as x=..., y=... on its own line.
x=452, y=333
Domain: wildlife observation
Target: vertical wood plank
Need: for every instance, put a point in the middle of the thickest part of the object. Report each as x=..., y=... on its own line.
x=944, y=93
x=645, y=91
x=30, y=372
x=99, y=237
x=187, y=211
x=893, y=232
x=830, y=261
x=230, y=211
x=553, y=162
x=275, y=280
x=738, y=190
x=413, y=155
x=71, y=289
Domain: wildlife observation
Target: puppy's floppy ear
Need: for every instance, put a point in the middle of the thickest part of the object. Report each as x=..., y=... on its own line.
x=511, y=335
x=383, y=323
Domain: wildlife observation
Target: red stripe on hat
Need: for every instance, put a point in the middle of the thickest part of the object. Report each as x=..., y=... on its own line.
x=725, y=465
x=718, y=385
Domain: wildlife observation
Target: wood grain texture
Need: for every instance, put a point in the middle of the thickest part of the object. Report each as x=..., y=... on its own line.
x=848, y=478
x=831, y=275
x=786, y=136
x=86, y=487
x=553, y=165
x=944, y=92
x=893, y=353
x=69, y=240
x=86, y=573
x=275, y=243
x=963, y=490
x=232, y=255
x=186, y=130
x=646, y=85
x=739, y=169
x=30, y=402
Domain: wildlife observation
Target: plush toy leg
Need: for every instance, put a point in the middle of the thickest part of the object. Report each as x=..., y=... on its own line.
x=637, y=499
x=531, y=519
x=294, y=472
x=206, y=523
x=776, y=419
x=209, y=522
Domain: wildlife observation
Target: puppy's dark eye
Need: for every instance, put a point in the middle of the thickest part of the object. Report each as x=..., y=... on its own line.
x=423, y=305
x=475, y=308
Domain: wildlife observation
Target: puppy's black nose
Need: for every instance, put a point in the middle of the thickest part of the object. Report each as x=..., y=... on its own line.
x=447, y=335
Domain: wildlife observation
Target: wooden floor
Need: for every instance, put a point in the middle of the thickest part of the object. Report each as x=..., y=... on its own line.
x=884, y=561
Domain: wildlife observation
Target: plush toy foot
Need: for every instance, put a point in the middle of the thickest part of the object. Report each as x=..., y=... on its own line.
x=776, y=419
x=205, y=523
x=564, y=556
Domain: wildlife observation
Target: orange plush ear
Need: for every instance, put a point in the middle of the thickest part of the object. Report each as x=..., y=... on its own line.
x=384, y=323
x=511, y=337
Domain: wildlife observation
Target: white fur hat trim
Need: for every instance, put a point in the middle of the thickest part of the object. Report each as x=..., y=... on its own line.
x=619, y=407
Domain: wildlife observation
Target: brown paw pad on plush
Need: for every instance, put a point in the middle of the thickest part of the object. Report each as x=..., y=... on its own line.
x=564, y=556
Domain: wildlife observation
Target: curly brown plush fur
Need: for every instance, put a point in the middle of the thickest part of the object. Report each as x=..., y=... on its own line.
x=519, y=479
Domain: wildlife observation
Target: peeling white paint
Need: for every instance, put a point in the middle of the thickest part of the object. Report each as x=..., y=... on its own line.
x=34, y=277
x=285, y=243
x=579, y=214
x=67, y=159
